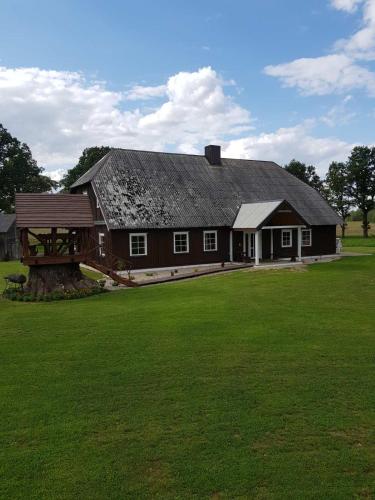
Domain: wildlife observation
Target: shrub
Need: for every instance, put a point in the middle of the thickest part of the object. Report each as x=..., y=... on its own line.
x=17, y=294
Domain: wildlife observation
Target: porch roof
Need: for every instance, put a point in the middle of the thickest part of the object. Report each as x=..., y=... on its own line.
x=253, y=215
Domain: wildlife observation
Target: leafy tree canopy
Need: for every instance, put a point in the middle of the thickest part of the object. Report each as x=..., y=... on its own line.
x=306, y=173
x=361, y=181
x=88, y=158
x=19, y=172
x=336, y=183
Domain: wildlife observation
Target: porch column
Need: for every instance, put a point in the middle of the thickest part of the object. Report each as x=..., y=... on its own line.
x=257, y=247
x=299, y=244
x=231, y=246
x=271, y=244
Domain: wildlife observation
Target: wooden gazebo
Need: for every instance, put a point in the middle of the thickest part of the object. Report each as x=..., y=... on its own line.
x=57, y=234
x=54, y=228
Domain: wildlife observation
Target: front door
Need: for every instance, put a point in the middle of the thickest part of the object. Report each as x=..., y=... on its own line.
x=251, y=253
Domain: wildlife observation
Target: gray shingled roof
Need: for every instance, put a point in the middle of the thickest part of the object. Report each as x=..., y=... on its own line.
x=6, y=220
x=143, y=189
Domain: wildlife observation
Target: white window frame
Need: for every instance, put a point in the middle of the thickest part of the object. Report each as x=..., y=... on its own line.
x=186, y=233
x=310, y=237
x=204, y=241
x=290, y=232
x=101, y=237
x=131, y=235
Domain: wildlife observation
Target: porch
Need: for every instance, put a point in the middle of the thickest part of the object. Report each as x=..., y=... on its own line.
x=268, y=232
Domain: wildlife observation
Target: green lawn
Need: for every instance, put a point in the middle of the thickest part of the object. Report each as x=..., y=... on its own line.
x=255, y=385
x=359, y=244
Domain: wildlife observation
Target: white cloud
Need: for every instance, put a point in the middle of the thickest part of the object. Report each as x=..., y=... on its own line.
x=347, y=5
x=339, y=114
x=288, y=143
x=139, y=92
x=340, y=71
x=324, y=75
x=197, y=109
x=361, y=45
x=60, y=113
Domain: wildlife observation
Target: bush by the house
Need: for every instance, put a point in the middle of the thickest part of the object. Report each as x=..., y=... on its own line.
x=18, y=295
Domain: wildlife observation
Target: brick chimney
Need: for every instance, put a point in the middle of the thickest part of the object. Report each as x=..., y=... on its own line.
x=213, y=154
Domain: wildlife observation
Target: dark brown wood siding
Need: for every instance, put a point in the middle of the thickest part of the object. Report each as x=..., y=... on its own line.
x=238, y=249
x=160, y=248
x=323, y=241
x=9, y=243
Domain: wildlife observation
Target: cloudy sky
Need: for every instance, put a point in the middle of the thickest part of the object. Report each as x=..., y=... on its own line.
x=266, y=79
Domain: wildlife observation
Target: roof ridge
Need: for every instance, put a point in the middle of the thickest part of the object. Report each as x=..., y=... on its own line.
x=98, y=165
x=189, y=154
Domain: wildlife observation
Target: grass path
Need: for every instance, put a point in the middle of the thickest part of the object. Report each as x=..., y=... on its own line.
x=244, y=385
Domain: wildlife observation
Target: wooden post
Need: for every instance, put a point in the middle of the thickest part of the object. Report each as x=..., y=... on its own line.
x=25, y=242
x=257, y=248
x=231, y=246
x=271, y=244
x=53, y=241
x=299, y=244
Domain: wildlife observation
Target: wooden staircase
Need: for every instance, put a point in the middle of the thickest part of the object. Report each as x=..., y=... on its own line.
x=101, y=258
x=112, y=274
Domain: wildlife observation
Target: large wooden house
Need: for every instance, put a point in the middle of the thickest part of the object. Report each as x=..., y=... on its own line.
x=165, y=209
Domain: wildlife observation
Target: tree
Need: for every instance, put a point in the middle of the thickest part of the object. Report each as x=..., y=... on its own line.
x=361, y=182
x=336, y=182
x=306, y=174
x=88, y=158
x=19, y=172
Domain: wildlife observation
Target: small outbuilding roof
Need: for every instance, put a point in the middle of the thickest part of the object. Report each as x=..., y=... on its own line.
x=53, y=210
x=6, y=221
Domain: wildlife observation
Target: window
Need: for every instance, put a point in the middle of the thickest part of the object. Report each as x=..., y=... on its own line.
x=306, y=237
x=84, y=191
x=210, y=241
x=286, y=238
x=101, y=245
x=181, y=242
x=138, y=244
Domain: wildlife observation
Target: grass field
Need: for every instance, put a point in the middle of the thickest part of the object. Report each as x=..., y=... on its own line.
x=354, y=228
x=245, y=385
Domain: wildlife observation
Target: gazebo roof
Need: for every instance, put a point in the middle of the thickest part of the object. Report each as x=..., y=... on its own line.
x=53, y=210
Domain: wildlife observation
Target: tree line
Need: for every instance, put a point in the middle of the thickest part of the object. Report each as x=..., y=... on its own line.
x=347, y=185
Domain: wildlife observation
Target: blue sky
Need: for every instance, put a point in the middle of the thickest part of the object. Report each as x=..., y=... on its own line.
x=264, y=78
